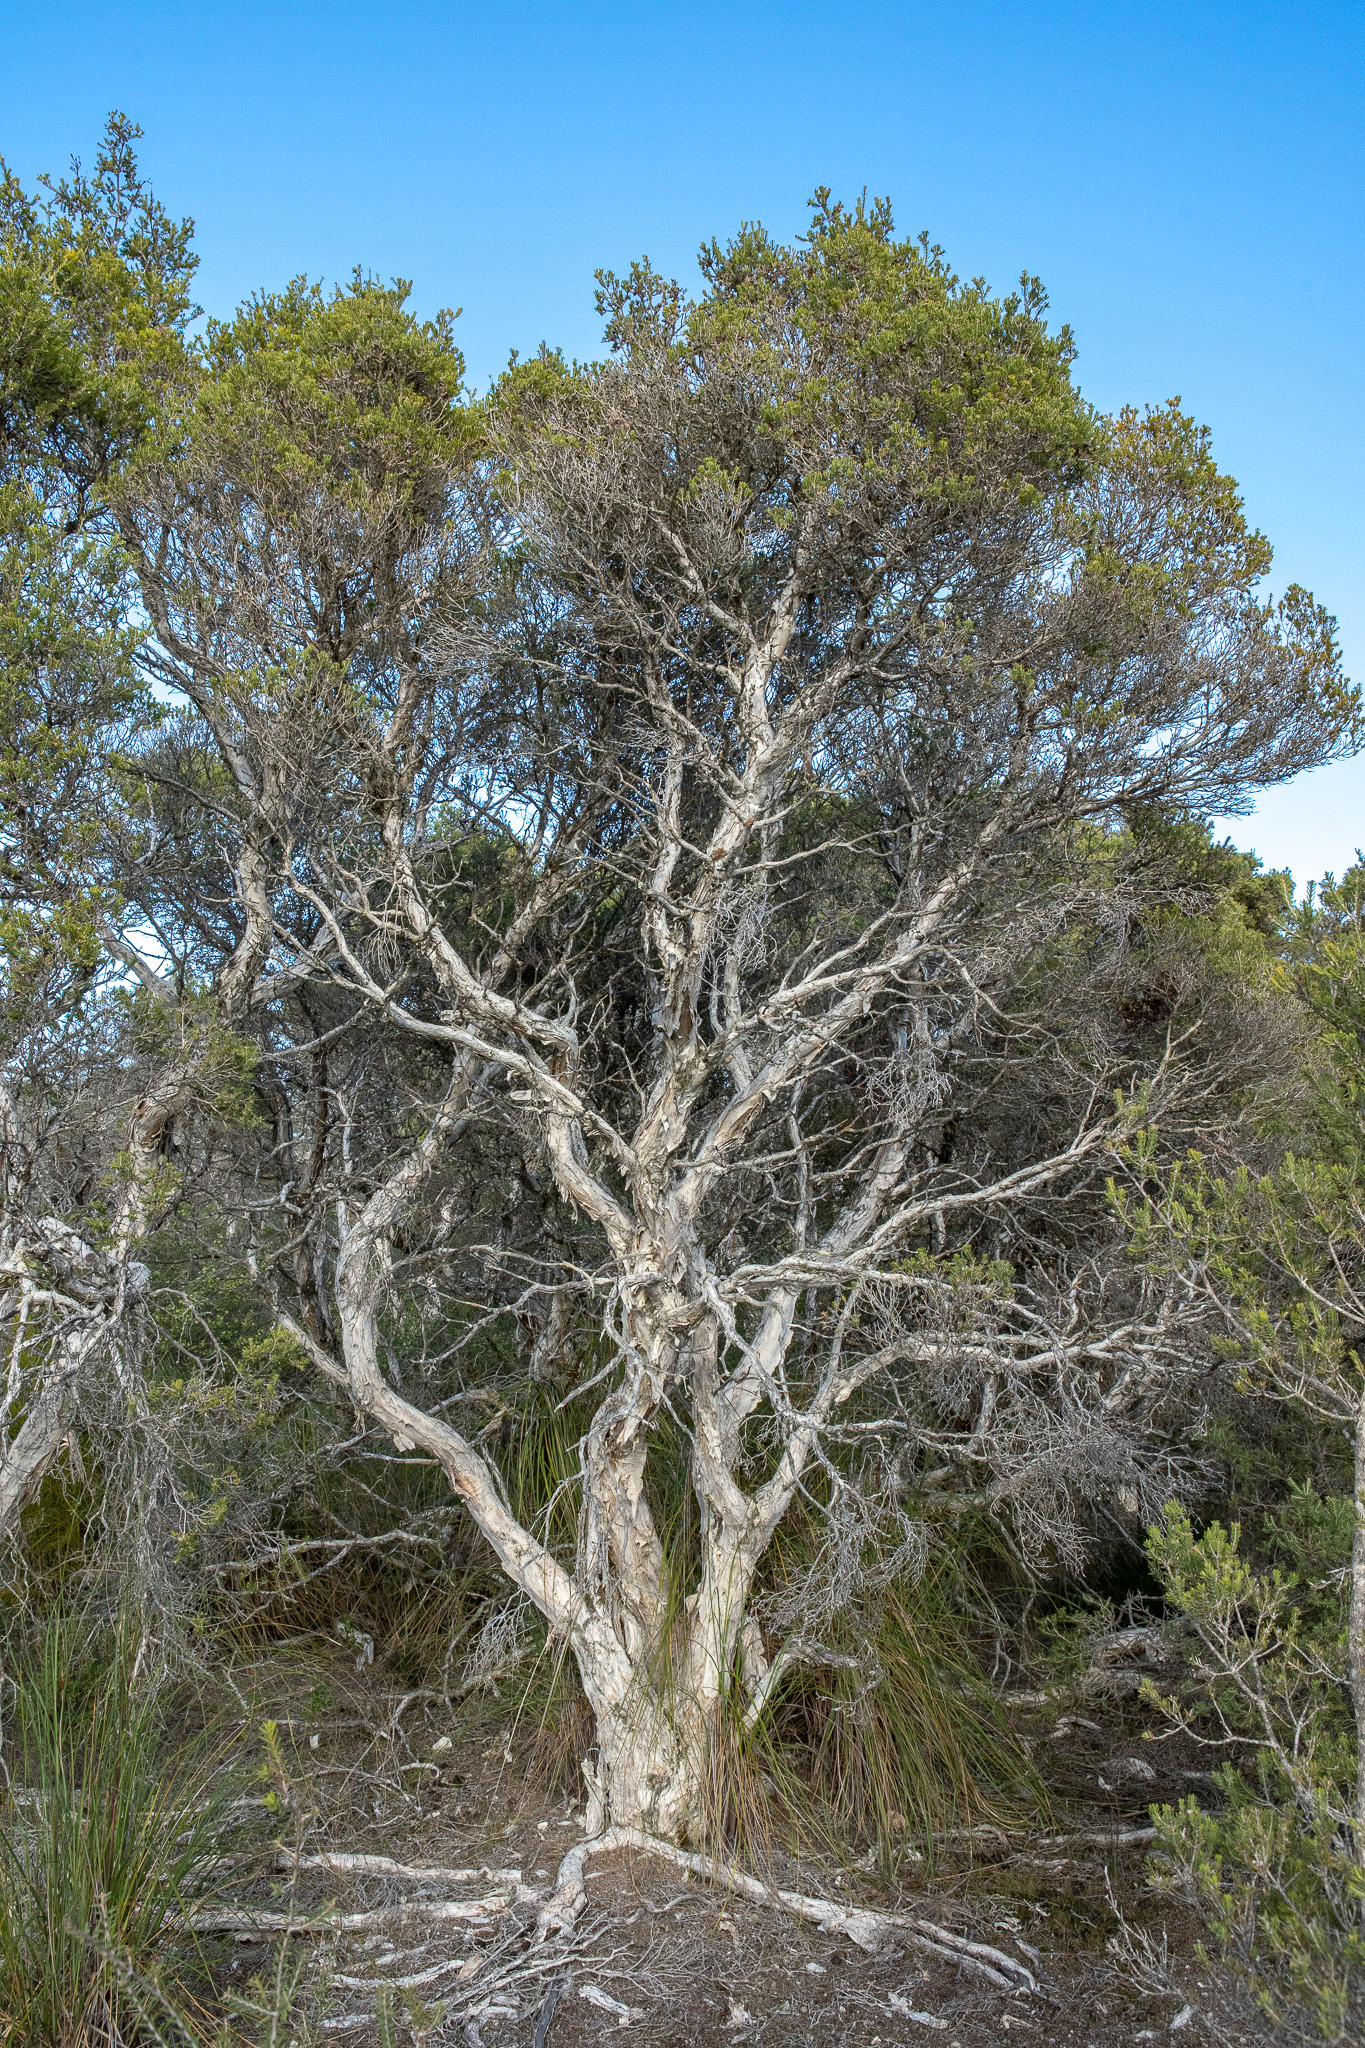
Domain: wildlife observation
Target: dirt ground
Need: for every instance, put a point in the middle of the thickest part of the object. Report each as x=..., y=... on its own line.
x=660, y=1956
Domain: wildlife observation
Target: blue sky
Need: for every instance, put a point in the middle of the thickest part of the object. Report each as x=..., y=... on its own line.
x=1187, y=180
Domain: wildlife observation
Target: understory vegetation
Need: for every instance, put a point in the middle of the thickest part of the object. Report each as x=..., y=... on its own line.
x=652, y=1161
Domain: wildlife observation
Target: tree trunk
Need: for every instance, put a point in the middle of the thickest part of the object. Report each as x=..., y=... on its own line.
x=25, y=1462
x=648, y=1769
x=652, y=1742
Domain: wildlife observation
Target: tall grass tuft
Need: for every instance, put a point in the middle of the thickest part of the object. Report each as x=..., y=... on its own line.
x=100, y=1851
x=897, y=1740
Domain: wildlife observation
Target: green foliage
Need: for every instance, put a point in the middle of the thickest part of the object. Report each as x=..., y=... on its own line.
x=94, y=303
x=66, y=682
x=1325, y=964
x=1277, y=1869
x=1308, y=1534
x=344, y=392
x=900, y=373
x=267, y=2011
x=422, y=2020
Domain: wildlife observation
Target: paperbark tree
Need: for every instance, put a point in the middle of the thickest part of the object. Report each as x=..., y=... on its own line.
x=677, y=791
x=64, y=678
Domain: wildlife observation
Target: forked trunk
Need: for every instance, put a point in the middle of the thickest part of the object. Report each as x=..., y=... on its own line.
x=653, y=1733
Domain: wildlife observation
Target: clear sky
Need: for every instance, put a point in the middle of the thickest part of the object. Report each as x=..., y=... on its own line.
x=1186, y=179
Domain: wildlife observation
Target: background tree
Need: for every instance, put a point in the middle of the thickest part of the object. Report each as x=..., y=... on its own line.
x=1277, y=1611
x=94, y=304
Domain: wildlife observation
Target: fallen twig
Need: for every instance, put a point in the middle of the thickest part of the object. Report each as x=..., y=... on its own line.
x=1099, y=1838
x=594, y=1995
x=547, y=2010
x=467, y=1966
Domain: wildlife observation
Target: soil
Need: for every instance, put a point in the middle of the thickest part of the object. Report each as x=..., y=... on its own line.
x=659, y=1957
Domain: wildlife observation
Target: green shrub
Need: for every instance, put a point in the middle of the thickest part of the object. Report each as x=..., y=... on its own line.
x=1276, y=1871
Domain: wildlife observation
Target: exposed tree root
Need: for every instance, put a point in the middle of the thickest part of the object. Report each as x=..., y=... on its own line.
x=349, y=1865
x=869, y=1930
x=481, y=1979
x=244, y=1920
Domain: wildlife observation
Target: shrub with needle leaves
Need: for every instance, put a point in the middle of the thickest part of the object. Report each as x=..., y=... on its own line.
x=1275, y=1871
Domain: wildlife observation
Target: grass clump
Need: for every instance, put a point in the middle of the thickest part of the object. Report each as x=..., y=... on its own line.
x=902, y=1739
x=103, y=1844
